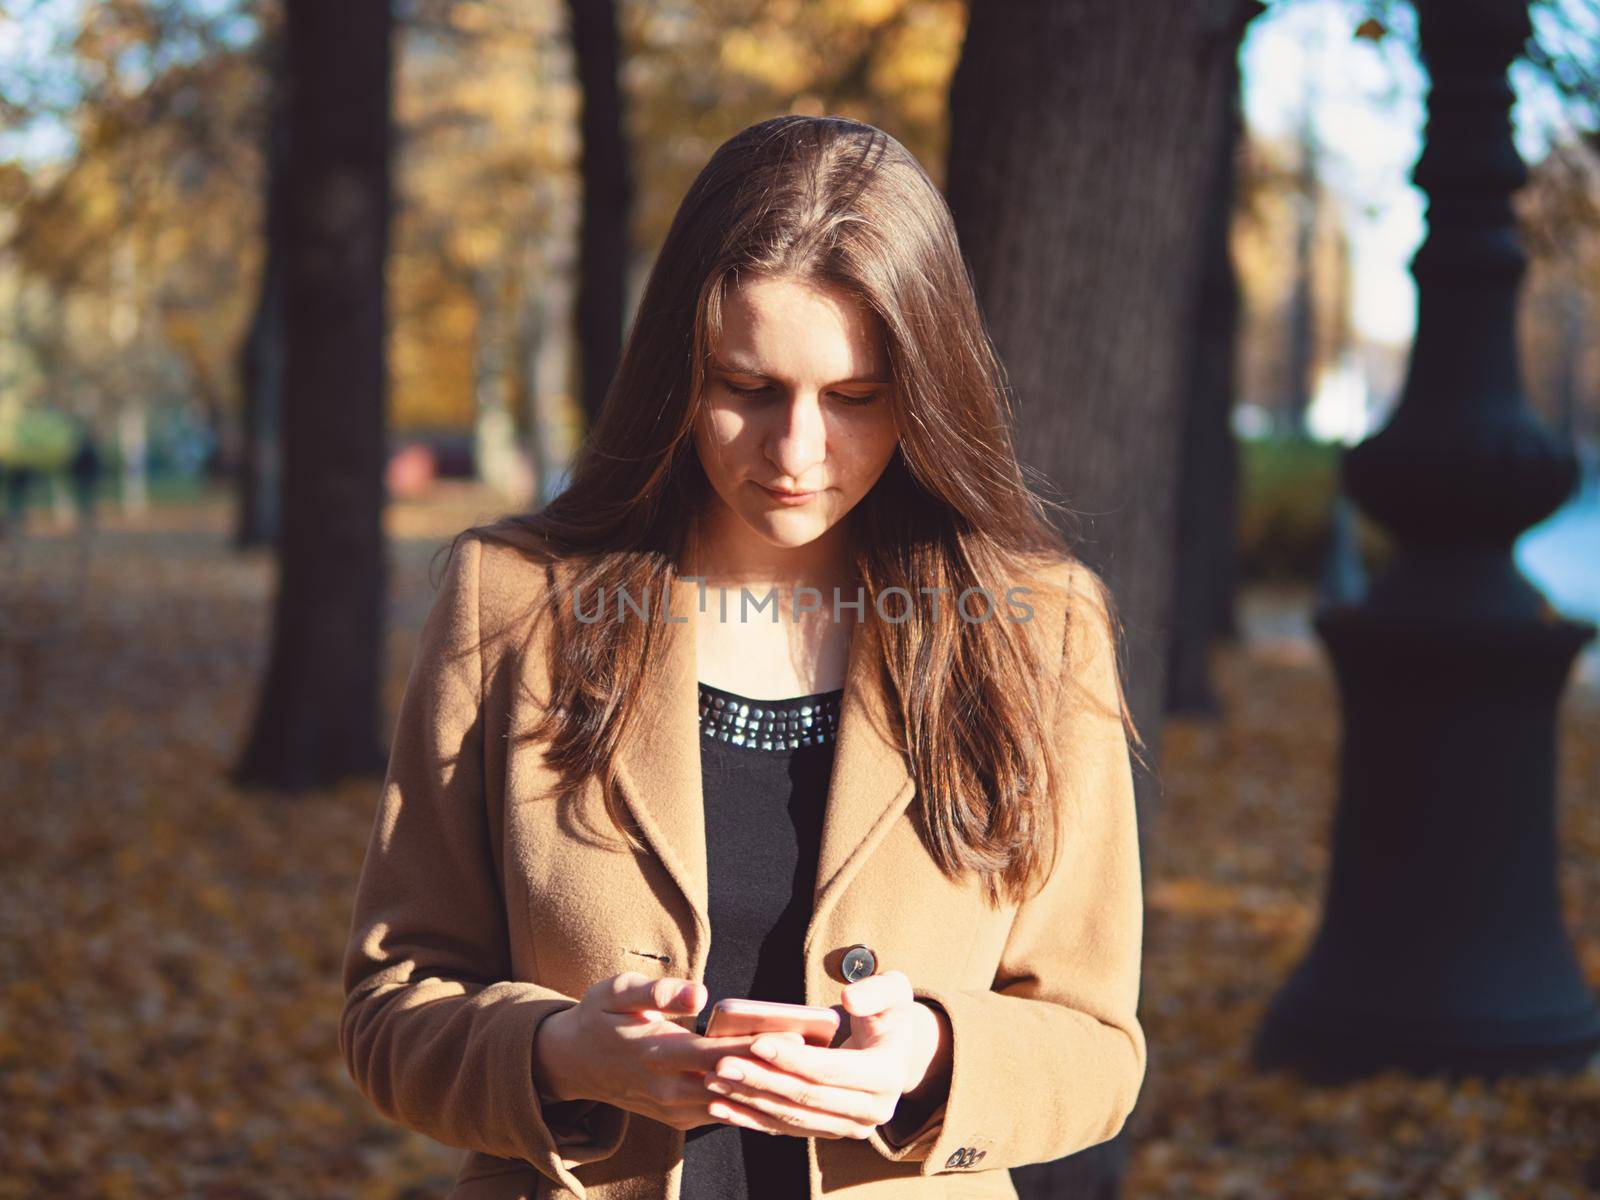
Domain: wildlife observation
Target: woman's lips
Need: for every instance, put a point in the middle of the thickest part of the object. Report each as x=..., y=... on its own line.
x=789, y=499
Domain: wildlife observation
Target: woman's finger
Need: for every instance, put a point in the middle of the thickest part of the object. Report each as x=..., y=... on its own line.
x=684, y=1051
x=750, y=1082
x=632, y=992
x=846, y=1066
x=774, y=1116
x=876, y=993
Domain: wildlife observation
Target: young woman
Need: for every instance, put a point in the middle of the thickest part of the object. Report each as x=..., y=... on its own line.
x=793, y=694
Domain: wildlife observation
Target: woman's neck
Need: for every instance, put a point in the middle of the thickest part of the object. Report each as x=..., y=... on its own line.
x=735, y=557
x=740, y=646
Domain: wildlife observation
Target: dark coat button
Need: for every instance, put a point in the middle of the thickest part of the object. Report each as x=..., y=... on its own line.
x=859, y=962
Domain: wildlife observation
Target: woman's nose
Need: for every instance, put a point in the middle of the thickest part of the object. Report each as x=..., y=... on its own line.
x=799, y=439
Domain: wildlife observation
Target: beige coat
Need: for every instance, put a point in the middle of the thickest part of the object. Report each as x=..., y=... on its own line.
x=483, y=907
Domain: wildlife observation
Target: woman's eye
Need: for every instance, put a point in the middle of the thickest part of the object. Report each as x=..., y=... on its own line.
x=766, y=390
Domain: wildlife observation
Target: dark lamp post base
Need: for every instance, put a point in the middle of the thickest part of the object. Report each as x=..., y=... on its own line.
x=1442, y=946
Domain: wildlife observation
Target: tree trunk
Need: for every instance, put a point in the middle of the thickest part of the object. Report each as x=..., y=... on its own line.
x=1081, y=143
x=550, y=373
x=1206, y=563
x=1300, y=317
x=319, y=713
x=607, y=197
x=260, y=477
x=1569, y=353
x=497, y=455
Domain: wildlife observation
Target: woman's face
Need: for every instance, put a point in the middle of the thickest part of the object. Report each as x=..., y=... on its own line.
x=797, y=423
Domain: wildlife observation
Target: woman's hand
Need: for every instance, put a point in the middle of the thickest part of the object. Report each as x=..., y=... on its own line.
x=619, y=1046
x=896, y=1046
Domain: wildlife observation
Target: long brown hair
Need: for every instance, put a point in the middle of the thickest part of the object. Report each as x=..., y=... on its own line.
x=836, y=202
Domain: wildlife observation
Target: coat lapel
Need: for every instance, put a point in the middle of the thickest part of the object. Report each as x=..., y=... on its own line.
x=658, y=766
x=871, y=783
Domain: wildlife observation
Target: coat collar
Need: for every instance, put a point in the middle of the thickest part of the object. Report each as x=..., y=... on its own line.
x=658, y=766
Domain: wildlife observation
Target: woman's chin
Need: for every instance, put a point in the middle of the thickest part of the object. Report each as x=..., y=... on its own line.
x=788, y=530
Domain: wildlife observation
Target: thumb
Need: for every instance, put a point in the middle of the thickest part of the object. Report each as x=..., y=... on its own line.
x=875, y=994
x=637, y=993
x=681, y=996
x=876, y=1006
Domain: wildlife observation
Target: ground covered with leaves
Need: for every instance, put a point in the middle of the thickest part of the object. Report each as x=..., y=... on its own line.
x=170, y=944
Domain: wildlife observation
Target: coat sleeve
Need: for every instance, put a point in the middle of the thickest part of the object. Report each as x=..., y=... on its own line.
x=1050, y=1059
x=435, y=1032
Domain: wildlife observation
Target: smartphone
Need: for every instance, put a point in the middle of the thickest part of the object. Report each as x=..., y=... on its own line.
x=744, y=1018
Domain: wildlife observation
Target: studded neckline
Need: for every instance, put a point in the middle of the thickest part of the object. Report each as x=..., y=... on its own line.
x=788, y=724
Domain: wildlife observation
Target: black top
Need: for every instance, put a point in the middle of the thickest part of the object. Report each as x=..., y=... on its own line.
x=765, y=765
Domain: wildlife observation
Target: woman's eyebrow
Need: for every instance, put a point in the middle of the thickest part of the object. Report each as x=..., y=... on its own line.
x=735, y=368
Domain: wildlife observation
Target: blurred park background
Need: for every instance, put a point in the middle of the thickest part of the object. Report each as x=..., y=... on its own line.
x=296, y=291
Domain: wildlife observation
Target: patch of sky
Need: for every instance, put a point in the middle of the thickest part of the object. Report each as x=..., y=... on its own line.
x=42, y=78
x=1365, y=103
